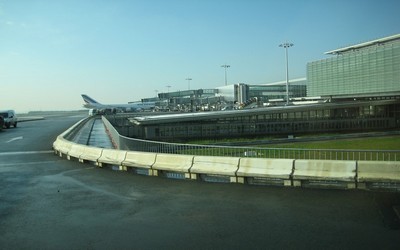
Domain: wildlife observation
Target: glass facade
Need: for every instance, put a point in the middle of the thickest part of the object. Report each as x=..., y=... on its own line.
x=338, y=116
x=371, y=69
x=265, y=93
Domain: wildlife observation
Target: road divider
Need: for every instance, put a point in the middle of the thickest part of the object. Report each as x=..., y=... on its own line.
x=112, y=157
x=283, y=172
x=139, y=162
x=76, y=151
x=215, y=168
x=378, y=175
x=61, y=146
x=265, y=171
x=326, y=173
x=91, y=154
x=173, y=165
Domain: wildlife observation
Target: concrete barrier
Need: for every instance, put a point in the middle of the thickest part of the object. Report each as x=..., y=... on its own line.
x=265, y=171
x=173, y=165
x=62, y=146
x=91, y=154
x=214, y=168
x=76, y=151
x=139, y=159
x=112, y=157
x=326, y=173
x=56, y=147
x=140, y=162
x=378, y=174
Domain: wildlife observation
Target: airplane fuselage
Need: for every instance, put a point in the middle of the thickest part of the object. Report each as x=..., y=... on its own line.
x=90, y=103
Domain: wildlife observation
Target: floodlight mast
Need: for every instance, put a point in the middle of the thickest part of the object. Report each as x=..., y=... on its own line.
x=188, y=79
x=225, y=66
x=286, y=46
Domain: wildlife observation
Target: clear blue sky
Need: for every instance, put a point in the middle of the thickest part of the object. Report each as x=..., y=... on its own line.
x=123, y=50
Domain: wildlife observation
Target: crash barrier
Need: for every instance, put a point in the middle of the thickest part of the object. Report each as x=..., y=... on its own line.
x=277, y=172
x=324, y=173
x=371, y=175
x=63, y=143
x=133, y=144
x=215, y=169
x=173, y=166
x=139, y=162
x=259, y=171
x=265, y=171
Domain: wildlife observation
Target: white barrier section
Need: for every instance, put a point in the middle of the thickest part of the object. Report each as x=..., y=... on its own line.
x=278, y=170
x=324, y=170
x=90, y=154
x=56, y=146
x=113, y=157
x=378, y=171
x=76, y=151
x=62, y=146
x=141, y=160
x=173, y=163
x=214, y=165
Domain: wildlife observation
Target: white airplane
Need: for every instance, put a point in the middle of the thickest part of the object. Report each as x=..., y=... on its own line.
x=90, y=103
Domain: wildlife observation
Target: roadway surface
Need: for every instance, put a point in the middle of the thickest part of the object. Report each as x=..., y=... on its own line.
x=48, y=202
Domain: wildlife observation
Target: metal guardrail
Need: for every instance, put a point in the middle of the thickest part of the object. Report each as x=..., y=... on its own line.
x=126, y=143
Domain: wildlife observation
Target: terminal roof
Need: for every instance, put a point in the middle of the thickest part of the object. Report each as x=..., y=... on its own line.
x=363, y=45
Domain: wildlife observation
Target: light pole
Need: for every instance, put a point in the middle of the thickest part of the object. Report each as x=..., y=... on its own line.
x=168, y=86
x=188, y=79
x=286, y=46
x=225, y=66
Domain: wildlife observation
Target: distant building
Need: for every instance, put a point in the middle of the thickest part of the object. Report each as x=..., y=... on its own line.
x=263, y=92
x=356, y=90
x=277, y=90
x=366, y=68
x=337, y=115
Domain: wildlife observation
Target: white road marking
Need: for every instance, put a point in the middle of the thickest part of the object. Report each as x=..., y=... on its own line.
x=15, y=138
x=27, y=163
x=27, y=152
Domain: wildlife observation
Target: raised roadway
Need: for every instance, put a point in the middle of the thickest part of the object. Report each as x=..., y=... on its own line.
x=48, y=202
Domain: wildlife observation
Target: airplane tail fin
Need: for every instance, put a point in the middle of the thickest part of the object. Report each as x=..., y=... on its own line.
x=89, y=100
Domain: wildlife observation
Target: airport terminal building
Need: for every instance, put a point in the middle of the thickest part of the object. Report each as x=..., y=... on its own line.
x=366, y=68
x=358, y=89
x=228, y=96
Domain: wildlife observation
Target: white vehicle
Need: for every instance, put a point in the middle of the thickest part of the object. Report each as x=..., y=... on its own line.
x=90, y=103
x=10, y=119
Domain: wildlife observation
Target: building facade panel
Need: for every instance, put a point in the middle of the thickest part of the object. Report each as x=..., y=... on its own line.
x=371, y=69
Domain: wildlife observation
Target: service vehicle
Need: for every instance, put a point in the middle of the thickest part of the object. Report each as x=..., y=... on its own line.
x=10, y=118
x=1, y=122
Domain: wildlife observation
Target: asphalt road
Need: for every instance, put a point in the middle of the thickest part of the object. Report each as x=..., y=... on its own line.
x=47, y=202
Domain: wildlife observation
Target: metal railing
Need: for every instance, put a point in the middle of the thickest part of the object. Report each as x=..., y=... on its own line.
x=126, y=143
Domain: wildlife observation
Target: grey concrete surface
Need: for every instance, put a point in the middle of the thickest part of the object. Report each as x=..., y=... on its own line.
x=47, y=202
